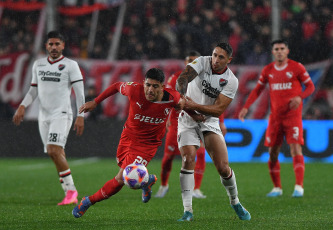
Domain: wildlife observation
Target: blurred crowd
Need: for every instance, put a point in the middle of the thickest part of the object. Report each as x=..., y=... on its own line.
x=164, y=29
x=160, y=29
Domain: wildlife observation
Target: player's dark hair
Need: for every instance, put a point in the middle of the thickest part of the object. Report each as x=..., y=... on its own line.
x=279, y=41
x=193, y=53
x=55, y=34
x=227, y=47
x=155, y=74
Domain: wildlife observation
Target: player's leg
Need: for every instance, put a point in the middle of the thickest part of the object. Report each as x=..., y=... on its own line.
x=299, y=168
x=273, y=140
x=109, y=189
x=165, y=173
x=170, y=150
x=294, y=137
x=217, y=149
x=186, y=177
x=55, y=143
x=188, y=142
x=274, y=171
x=199, y=170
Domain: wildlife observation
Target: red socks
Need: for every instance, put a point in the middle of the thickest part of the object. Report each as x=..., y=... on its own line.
x=110, y=188
x=199, y=169
x=274, y=171
x=299, y=168
x=166, y=169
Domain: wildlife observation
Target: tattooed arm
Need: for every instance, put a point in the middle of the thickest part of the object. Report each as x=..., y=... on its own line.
x=184, y=78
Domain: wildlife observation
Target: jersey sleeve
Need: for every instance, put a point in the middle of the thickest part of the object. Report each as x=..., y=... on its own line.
x=231, y=88
x=34, y=74
x=197, y=64
x=303, y=75
x=126, y=88
x=74, y=72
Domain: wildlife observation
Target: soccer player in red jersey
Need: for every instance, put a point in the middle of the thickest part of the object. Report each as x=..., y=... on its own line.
x=171, y=146
x=150, y=105
x=285, y=78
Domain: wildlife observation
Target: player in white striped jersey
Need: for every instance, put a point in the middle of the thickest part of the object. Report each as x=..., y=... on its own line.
x=52, y=80
x=209, y=86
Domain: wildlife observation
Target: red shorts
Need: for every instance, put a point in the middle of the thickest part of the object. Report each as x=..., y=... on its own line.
x=289, y=127
x=129, y=152
x=171, y=144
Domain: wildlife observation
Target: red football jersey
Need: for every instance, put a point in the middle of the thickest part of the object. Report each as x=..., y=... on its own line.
x=146, y=120
x=284, y=84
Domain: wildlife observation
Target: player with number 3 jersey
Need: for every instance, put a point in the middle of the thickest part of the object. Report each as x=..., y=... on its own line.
x=285, y=78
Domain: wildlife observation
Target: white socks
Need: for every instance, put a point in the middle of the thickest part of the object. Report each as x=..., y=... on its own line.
x=187, y=186
x=66, y=180
x=231, y=187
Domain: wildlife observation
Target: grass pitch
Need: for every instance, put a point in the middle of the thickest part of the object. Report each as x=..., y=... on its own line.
x=30, y=191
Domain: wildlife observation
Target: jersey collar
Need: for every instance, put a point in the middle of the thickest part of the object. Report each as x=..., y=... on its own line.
x=51, y=61
x=222, y=72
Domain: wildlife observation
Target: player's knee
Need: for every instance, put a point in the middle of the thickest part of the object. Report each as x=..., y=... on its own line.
x=224, y=170
x=53, y=151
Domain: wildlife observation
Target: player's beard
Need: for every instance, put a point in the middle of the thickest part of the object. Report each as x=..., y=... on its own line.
x=55, y=54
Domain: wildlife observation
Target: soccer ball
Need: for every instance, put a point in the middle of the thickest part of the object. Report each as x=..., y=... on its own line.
x=135, y=176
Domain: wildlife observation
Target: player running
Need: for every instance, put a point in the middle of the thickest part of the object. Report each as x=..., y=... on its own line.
x=285, y=78
x=209, y=86
x=52, y=80
x=171, y=146
x=150, y=105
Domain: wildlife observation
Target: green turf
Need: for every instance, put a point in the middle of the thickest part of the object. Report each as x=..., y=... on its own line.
x=29, y=191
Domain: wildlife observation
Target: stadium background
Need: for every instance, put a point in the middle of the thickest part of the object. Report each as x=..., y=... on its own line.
x=118, y=40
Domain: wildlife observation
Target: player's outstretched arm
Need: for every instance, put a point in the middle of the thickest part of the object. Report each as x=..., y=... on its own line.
x=215, y=110
x=19, y=115
x=88, y=106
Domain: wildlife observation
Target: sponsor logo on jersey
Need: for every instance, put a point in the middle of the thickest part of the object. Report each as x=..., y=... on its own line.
x=61, y=67
x=140, y=105
x=270, y=75
x=194, y=62
x=130, y=83
x=289, y=75
x=147, y=119
x=223, y=82
x=49, y=73
x=50, y=79
x=209, y=90
x=282, y=86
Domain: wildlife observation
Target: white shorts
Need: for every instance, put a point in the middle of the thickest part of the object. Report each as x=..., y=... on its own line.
x=191, y=135
x=55, y=131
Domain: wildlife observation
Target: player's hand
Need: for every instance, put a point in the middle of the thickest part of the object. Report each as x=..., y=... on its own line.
x=295, y=102
x=19, y=115
x=79, y=125
x=242, y=114
x=189, y=104
x=88, y=106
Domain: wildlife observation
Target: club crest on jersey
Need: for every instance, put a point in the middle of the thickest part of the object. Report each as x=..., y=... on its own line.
x=61, y=67
x=223, y=82
x=167, y=111
x=289, y=74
